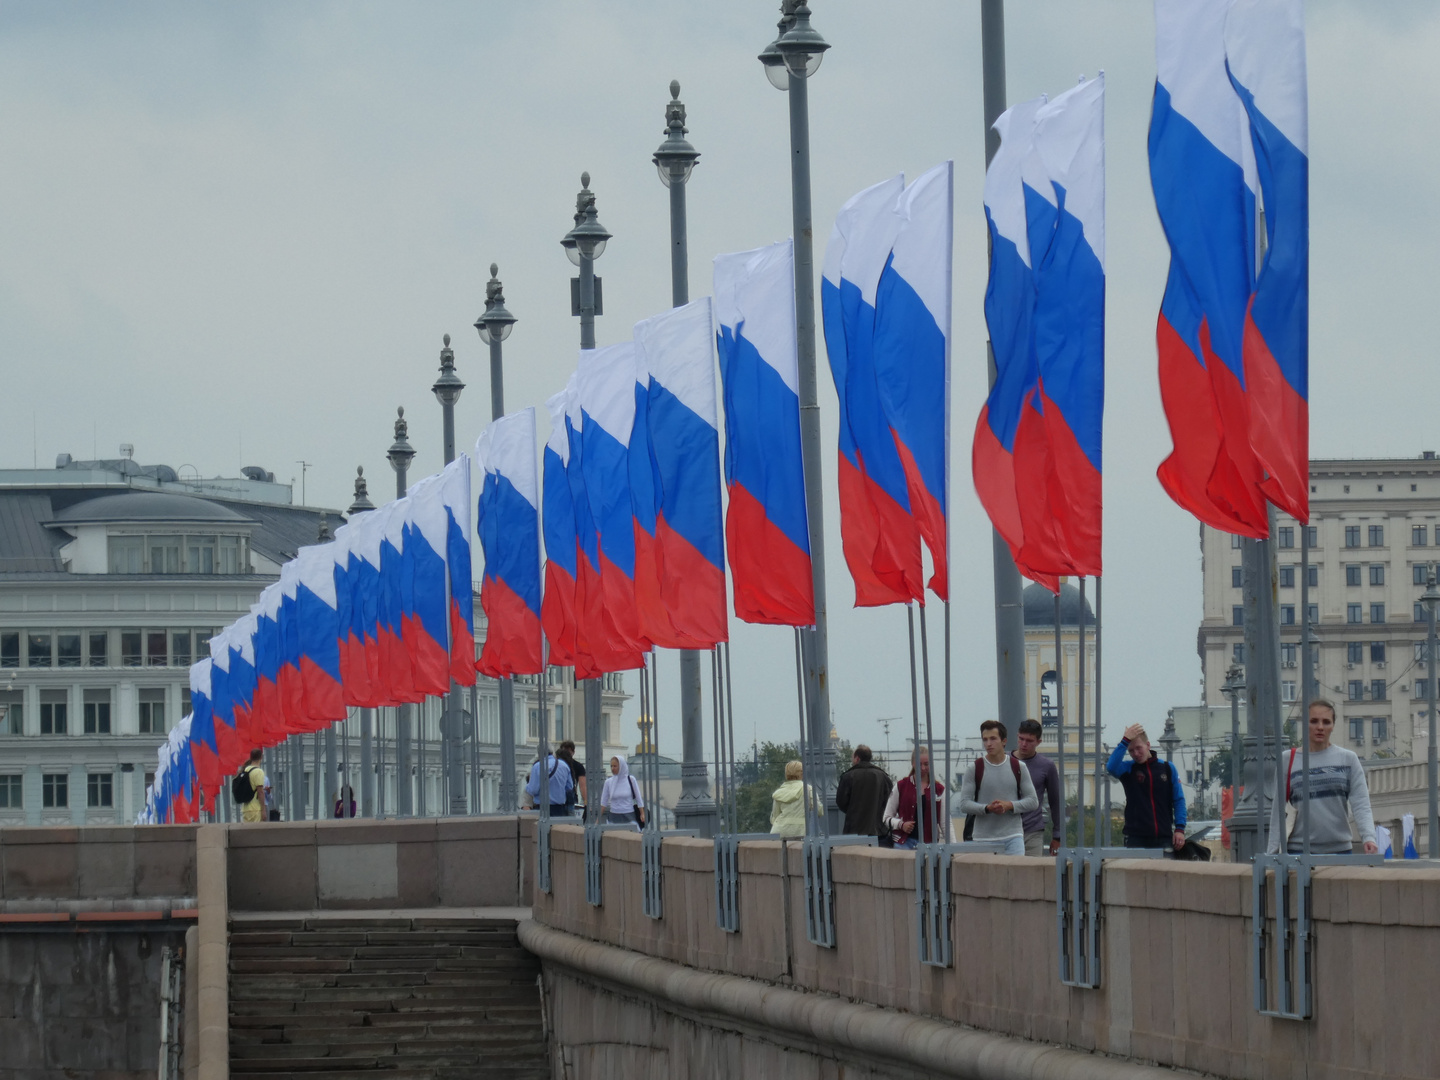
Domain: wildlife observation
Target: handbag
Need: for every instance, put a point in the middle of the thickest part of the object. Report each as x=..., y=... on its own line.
x=639, y=810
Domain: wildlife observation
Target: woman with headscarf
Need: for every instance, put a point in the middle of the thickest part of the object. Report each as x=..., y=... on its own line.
x=620, y=801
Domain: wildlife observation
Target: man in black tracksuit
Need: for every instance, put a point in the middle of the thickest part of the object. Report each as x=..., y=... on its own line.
x=1154, y=799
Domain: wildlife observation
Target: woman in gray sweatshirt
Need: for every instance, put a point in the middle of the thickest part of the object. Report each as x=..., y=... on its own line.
x=1336, y=781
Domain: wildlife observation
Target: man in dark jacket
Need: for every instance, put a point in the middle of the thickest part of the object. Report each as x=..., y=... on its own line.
x=862, y=793
x=1154, y=799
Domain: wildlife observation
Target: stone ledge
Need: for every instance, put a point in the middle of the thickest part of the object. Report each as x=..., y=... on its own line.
x=935, y=1047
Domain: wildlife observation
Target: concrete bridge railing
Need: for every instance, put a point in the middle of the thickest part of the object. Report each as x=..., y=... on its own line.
x=1176, y=990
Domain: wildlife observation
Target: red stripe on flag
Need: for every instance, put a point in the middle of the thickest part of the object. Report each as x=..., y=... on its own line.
x=1279, y=426
x=770, y=573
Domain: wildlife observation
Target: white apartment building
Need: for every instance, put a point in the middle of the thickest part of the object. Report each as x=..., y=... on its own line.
x=1375, y=535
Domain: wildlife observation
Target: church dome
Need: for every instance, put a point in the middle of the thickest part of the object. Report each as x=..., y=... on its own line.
x=1040, y=606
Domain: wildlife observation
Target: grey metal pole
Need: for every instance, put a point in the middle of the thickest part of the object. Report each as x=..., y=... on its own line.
x=1433, y=824
x=695, y=808
x=400, y=454
x=448, y=388
x=816, y=651
x=1060, y=727
x=1099, y=630
x=332, y=763
x=1305, y=684
x=367, y=763
x=1080, y=715
x=1009, y=598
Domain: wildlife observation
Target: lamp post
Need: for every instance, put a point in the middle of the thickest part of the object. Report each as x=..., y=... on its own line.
x=1169, y=740
x=789, y=62
x=674, y=161
x=494, y=326
x=400, y=454
x=1232, y=688
x=1431, y=599
x=583, y=245
x=447, y=390
x=360, y=505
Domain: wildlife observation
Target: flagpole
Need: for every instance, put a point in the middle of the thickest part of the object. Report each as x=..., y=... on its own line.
x=1009, y=600
x=1059, y=826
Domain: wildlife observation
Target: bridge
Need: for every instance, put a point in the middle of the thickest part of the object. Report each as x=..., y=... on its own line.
x=412, y=947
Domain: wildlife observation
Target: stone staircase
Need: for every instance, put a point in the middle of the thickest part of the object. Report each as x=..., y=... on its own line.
x=330, y=998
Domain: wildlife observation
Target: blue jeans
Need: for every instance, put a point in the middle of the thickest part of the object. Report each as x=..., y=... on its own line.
x=1015, y=845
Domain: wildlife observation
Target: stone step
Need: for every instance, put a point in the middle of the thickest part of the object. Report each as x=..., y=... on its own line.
x=367, y=1041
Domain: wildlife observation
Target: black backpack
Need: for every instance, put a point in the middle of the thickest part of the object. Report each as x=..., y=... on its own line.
x=969, y=833
x=241, y=789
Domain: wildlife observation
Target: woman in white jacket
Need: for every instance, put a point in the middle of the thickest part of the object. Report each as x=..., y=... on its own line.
x=621, y=801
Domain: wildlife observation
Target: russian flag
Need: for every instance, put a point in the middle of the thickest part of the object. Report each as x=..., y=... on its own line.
x=319, y=632
x=590, y=634
x=242, y=688
x=395, y=587
x=222, y=706
x=675, y=481
x=202, y=730
x=366, y=535
x=558, y=608
x=292, y=680
x=605, y=389
x=508, y=518
x=1202, y=170
x=878, y=533
x=1069, y=320
x=427, y=619
x=766, y=527
x=455, y=497
x=1010, y=455
x=1265, y=56
x=354, y=674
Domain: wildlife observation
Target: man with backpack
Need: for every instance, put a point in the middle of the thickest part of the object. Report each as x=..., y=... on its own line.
x=997, y=792
x=557, y=785
x=248, y=788
x=1154, y=799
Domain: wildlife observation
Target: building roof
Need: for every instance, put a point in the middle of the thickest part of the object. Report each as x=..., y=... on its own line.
x=26, y=546
x=147, y=506
x=1040, y=606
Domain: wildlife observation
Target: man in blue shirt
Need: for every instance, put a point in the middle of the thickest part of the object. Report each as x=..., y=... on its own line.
x=1154, y=799
x=560, y=783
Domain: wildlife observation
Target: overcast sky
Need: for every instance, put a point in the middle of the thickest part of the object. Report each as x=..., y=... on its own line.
x=235, y=233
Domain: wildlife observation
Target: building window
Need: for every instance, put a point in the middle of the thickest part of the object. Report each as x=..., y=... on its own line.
x=1312, y=612
x=1314, y=577
x=152, y=712
x=1237, y=653
x=1312, y=534
x=607, y=728
x=127, y=554
x=12, y=712
x=1377, y=574
x=1352, y=536
x=1420, y=613
x=1377, y=652
x=130, y=654
x=67, y=649
x=1352, y=575
x=1237, y=615
x=1357, y=729
x=1354, y=652
x=38, y=654
x=180, y=648
x=1357, y=690
x=1287, y=653
x=1236, y=540
x=1421, y=648
x=55, y=791
x=1417, y=534
x=1377, y=689
x=1352, y=613
x=1377, y=535
x=1287, y=577
x=1420, y=574
x=535, y=724
x=1287, y=691
x=1380, y=729
x=99, y=790
x=12, y=792
x=155, y=653
x=97, y=712
x=98, y=649
x=1237, y=577
x=10, y=649
x=1377, y=613
x=1287, y=536
x=53, y=718
x=1287, y=614
x=202, y=642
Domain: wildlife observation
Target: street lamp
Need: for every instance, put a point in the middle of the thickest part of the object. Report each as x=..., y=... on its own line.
x=674, y=161
x=583, y=245
x=1431, y=599
x=1169, y=740
x=789, y=61
x=494, y=325
x=447, y=390
x=400, y=454
x=1232, y=688
x=359, y=505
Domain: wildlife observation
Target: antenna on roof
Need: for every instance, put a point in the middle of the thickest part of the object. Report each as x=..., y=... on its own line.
x=127, y=450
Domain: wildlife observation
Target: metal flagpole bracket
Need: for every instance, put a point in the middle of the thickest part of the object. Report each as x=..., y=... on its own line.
x=594, y=883
x=1282, y=951
x=820, y=886
x=727, y=877
x=935, y=943
x=652, y=871
x=1078, y=910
